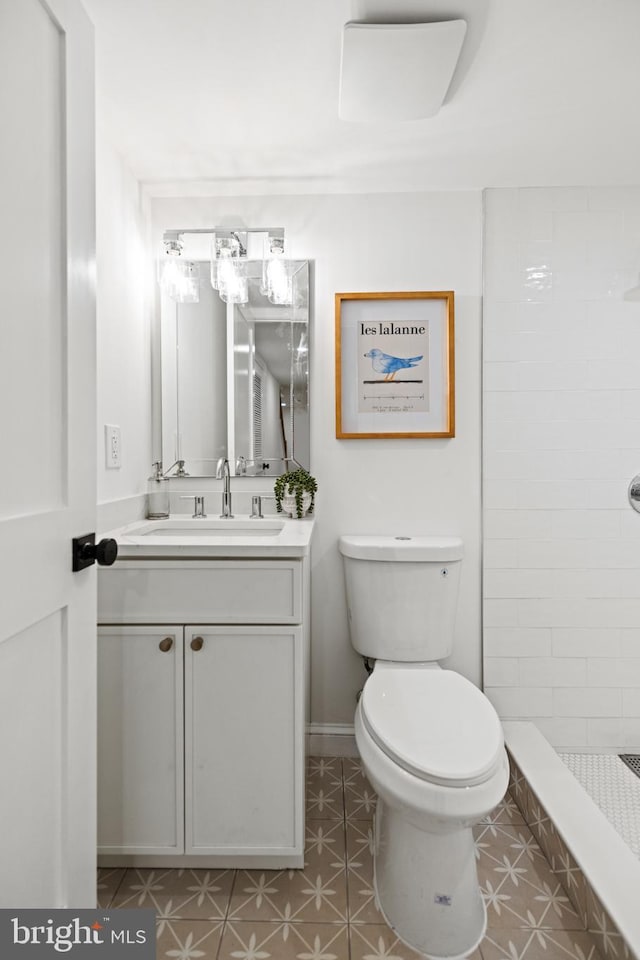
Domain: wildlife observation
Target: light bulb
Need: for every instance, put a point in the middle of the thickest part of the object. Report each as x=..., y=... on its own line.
x=277, y=273
x=181, y=279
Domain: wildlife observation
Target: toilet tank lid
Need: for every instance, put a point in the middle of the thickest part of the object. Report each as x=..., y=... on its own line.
x=401, y=548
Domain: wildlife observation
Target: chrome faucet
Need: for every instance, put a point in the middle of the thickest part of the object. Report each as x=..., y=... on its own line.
x=223, y=471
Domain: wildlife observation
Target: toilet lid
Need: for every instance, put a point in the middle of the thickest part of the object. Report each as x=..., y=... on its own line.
x=433, y=723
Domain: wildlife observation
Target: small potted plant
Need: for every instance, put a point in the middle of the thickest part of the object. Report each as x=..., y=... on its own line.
x=295, y=493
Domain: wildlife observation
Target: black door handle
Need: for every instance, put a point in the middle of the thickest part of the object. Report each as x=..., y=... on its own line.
x=86, y=551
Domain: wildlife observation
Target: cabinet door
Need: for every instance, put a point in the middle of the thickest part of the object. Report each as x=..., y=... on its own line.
x=140, y=740
x=244, y=740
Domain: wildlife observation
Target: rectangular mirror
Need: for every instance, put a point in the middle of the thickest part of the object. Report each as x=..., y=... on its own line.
x=235, y=379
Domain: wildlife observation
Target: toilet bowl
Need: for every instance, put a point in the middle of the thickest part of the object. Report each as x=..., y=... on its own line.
x=431, y=792
x=430, y=742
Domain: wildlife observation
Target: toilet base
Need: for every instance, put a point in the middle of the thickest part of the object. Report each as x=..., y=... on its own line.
x=426, y=886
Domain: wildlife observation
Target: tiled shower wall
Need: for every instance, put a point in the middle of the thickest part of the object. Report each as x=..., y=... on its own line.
x=561, y=572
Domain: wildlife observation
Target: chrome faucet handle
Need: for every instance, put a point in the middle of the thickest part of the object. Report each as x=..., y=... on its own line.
x=256, y=506
x=198, y=506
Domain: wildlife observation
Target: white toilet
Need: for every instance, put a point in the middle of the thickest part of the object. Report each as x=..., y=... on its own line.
x=430, y=741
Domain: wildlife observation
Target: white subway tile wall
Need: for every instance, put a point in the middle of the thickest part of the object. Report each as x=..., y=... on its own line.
x=561, y=441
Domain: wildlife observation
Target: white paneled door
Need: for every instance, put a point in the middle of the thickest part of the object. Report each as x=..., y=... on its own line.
x=47, y=449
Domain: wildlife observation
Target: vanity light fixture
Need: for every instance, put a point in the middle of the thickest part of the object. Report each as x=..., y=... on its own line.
x=180, y=279
x=231, y=251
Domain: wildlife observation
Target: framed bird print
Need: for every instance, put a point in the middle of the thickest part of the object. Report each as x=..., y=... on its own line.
x=394, y=365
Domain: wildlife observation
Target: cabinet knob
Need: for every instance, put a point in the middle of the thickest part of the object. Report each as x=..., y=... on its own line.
x=166, y=644
x=197, y=643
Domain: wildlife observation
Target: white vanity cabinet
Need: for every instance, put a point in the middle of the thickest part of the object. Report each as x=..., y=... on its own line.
x=203, y=676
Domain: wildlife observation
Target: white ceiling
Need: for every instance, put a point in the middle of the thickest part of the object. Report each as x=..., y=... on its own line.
x=245, y=93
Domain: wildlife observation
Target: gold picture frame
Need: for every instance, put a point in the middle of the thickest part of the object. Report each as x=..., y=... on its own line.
x=395, y=365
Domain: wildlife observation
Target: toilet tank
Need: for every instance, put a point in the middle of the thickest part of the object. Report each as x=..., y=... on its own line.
x=402, y=595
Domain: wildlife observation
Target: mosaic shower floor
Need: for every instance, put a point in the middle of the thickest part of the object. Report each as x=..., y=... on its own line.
x=327, y=910
x=614, y=788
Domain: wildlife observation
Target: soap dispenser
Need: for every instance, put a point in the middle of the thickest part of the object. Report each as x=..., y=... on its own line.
x=158, y=495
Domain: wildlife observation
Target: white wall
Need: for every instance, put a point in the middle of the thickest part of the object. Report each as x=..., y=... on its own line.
x=561, y=443
x=427, y=241
x=123, y=341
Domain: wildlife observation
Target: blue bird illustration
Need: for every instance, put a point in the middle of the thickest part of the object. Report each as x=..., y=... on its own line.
x=388, y=365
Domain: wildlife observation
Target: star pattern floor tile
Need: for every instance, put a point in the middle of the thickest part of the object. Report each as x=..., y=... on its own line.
x=243, y=940
x=177, y=894
x=188, y=940
x=378, y=942
x=327, y=910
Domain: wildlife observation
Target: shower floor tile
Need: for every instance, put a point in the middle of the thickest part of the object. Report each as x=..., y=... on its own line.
x=614, y=788
x=328, y=910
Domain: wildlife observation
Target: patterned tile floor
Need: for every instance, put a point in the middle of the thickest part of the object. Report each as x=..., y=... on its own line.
x=327, y=911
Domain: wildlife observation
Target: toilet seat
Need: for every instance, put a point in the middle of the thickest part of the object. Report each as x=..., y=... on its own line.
x=433, y=723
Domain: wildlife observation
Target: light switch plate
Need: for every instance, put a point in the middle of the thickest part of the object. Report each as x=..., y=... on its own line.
x=112, y=446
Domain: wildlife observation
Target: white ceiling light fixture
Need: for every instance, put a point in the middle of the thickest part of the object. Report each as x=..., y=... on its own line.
x=397, y=71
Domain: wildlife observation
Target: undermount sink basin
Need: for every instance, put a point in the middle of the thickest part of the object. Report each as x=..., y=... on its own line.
x=210, y=528
x=194, y=538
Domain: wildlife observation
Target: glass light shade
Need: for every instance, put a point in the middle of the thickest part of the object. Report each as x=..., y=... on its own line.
x=233, y=284
x=236, y=289
x=223, y=249
x=228, y=270
x=277, y=273
x=180, y=279
x=279, y=281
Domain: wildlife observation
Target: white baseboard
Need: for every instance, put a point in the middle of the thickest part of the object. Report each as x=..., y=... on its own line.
x=331, y=740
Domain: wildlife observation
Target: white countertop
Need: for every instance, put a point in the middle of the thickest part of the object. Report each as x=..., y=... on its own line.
x=197, y=539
